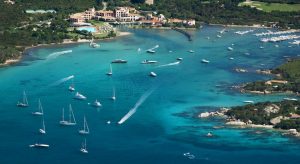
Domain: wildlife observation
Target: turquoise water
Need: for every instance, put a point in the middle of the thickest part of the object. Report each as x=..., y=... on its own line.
x=164, y=126
x=89, y=29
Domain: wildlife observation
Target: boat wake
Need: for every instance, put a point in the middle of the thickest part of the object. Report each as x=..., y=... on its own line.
x=136, y=106
x=62, y=80
x=170, y=64
x=56, y=54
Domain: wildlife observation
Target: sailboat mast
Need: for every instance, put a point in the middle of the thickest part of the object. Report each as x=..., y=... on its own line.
x=70, y=114
x=63, y=114
x=44, y=128
x=25, y=98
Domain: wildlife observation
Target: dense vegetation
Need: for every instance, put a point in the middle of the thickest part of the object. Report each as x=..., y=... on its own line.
x=281, y=1
x=18, y=29
x=269, y=7
x=288, y=71
x=258, y=113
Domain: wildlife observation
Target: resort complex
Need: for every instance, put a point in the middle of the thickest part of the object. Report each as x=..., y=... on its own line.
x=125, y=15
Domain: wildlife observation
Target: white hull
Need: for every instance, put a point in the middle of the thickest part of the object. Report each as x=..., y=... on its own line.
x=37, y=113
x=83, y=132
x=84, y=151
x=204, y=61
x=40, y=145
x=42, y=131
x=66, y=123
x=153, y=74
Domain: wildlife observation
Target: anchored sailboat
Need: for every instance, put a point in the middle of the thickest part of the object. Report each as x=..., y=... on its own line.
x=97, y=103
x=24, y=102
x=113, y=97
x=83, y=148
x=71, y=121
x=43, y=129
x=40, y=111
x=110, y=71
x=71, y=87
x=85, y=129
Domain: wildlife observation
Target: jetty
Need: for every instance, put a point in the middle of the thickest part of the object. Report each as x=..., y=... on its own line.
x=183, y=32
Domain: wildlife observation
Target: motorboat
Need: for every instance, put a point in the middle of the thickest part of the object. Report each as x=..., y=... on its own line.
x=151, y=51
x=230, y=49
x=290, y=99
x=39, y=145
x=153, y=74
x=148, y=62
x=119, y=61
x=205, y=61
x=179, y=59
x=191, y=51
x=248, y=101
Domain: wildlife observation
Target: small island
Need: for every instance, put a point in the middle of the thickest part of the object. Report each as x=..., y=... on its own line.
x=286, y=80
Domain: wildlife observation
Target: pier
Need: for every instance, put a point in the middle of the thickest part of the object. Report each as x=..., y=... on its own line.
x=183, y=32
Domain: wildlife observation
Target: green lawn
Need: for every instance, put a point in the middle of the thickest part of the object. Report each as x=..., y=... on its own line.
x=268, y=7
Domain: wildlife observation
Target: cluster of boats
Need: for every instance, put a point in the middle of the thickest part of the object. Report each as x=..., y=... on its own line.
x=276, y=33
x=243, y=32
x=280, y=38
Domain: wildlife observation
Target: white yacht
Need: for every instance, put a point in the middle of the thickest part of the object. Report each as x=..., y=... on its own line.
x=205, y=61
x=151, y=51
x=110, y=71
x=85, y=129
x=191, y=51
x=148, y=62
x=219, y=36
x=290, y=99
x=179, y=59
x=40, y=111
x=119, y=61
x=71, y=121
x=249, y=101
x=43, y=129
x=153, y=74
x=83, y=148
x=71, y=87
x=97, y=103
x=24, y=102
x=231, y=58
x=79, y=96
x=230, y=49
x=209, y=134
x=39, y=145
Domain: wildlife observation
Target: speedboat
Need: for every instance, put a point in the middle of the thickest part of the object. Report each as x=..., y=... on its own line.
x=230, y=49
x=71, y=88
x=231, y=58
x=179, y=59
x=191, y=51
x=97, y=103
x=153, y=74
x=79, y=96
x=209, y=134
x=151, y=51
x=148, y=62
x=205, y=61
x=119, y=61
x=248, y=101
x=261, y=47
x=290, y=99
x=219, y=36
x=38, y=145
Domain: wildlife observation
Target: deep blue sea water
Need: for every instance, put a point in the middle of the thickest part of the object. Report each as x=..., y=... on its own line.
x=164, y=126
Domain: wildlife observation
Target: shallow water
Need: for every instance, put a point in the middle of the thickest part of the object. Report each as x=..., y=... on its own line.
x=164, y=126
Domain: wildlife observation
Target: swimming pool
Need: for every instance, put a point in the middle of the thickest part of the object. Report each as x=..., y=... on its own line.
x=89, y=29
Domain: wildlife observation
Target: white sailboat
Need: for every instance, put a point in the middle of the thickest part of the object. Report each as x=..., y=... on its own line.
x=79, y=96
x=97, y=103
x=71, y=121
x=110, y=71
x=71, y=87
x=24, y=102
x=94, y=45
x=85, y=129
x=43, y=129
x=113, y=97
x=40, y=111
x=83, y=148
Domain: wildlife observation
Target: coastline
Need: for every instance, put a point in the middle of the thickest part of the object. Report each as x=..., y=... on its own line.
x=65, y=42
x=242, y=26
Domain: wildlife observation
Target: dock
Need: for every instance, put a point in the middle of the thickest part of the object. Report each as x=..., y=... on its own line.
x=183, y=32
